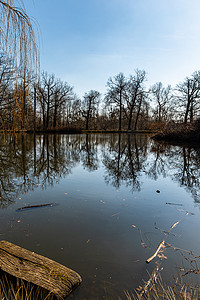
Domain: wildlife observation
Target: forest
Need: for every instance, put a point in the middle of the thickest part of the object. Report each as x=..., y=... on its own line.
x=34, y=100
x=39, y=102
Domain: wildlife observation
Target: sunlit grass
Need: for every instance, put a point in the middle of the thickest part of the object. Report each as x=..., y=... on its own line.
x=12, y=289
x=161, y=291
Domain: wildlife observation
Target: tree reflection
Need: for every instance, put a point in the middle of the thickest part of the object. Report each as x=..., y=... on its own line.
x=186, y=170
x=89, y=154
x=26, y=161
x=124, y=160
x=180, y=163
x=157, y=163
x=29, y=160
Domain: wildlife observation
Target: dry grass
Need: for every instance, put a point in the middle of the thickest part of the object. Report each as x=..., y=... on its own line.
x=184, y=287
x=12, y=289
x=160, y=291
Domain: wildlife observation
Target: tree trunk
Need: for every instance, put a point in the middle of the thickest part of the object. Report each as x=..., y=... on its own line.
x=47, y=120
x=130, y=118
x=23, y=106
x=88, y=116
x=120, y=110
x=44, y=119
x=34, y=116
x=87, y=123
x=138, y=113
x=187, y=107
x=55, y=117
x=191, y=112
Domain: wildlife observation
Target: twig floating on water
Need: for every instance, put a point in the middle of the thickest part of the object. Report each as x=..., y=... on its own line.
x=160, y=246
x=35, y=206
x=115, y=214
x=175, y=224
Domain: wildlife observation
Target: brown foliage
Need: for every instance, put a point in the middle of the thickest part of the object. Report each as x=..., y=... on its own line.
x=189, y=132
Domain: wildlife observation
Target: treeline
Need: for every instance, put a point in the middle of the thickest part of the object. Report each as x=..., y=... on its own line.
x=44, y=102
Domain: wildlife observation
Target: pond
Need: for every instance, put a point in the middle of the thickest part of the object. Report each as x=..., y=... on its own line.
x=117, y=197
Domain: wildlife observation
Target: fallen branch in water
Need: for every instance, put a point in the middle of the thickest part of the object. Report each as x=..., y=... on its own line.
x=160, y=246
x=182, y=250
x=176, y=223
x=164, y=231
x=170, y=203
x=35, y=206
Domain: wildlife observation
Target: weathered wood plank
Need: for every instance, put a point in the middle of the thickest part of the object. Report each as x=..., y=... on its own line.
x=38, y=269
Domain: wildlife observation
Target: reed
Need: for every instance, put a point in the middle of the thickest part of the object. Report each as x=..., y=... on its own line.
x=164, y=292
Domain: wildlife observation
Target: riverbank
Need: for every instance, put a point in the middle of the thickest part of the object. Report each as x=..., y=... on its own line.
x=75, y=131
x=187, y=133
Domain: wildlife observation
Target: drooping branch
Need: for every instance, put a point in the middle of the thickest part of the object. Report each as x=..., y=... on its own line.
x=17, y=37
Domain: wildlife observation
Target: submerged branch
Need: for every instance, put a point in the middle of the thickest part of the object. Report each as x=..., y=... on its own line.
x=160, y=246
x=35, y=206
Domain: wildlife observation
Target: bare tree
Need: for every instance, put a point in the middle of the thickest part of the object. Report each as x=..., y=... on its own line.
x=189, y=95
x=47, y=91
x=53, y=97
x=17, y=36
x=141, y=100
x=74, y=113
x=90, y=106
x=116, y=93
x=162, y=97
x=8, y=75
x=18, y=45
x=63, y=93
x=134, y=95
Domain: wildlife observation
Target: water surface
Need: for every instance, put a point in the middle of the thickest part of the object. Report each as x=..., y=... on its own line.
x=102, y=185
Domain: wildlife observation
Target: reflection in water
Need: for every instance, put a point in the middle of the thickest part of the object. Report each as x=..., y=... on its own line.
x=27, y=160
x=103, y=225
x=124, y=161
x=178, y=162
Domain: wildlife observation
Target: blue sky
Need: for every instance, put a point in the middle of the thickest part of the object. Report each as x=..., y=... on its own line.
x=84, y=42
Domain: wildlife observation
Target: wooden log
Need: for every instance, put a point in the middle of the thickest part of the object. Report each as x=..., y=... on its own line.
x=38, y=270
